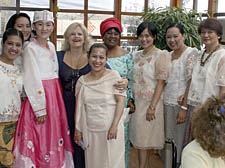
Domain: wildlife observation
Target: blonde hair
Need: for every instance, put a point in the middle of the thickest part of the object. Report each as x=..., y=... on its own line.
x=209, y=126
x=69, y=31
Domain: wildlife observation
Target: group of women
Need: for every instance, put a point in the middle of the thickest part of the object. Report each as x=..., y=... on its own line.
x=84, y=125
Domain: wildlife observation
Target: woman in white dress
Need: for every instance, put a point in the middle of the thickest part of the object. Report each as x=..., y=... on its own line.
x=99, y=127
x=149, y=75
x=208, y=77
x=181, y=61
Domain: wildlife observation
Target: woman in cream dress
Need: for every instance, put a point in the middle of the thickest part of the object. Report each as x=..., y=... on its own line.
x=99, y=128
x=149, y=75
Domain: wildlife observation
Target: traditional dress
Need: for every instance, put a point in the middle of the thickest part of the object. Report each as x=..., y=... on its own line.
x=147, y=69
x=94, y=115
x=124, y=65
x=180, y=73
x=10, y=105
x=194, y=156
x=206, y=81
x=45, y=145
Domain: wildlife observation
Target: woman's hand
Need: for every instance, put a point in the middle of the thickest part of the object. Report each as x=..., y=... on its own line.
x=181, y=116
x=121, y=85
x=150, y=113
x=77, y=137
x=41, y=119
x=180, y=100
x=131, y=105
x=112, y=133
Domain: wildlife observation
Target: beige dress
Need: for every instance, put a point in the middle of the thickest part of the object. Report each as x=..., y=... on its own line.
x=147, y=69
x=94, y=114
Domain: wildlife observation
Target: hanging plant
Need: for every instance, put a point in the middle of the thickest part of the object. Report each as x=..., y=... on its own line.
x=163, y=17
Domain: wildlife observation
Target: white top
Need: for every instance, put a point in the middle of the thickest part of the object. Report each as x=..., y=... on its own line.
x=40, y=63
x=207, y=79
x=193, y=156
x=180, y=73
x=10, y=91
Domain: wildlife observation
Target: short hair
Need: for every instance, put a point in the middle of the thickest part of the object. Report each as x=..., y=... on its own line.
x=98, y=45
x=69, y=31
x=179, y=26
x=212, y=24
x=12, y=32
x=151, y=29
x=12, y=21
x=208, y=124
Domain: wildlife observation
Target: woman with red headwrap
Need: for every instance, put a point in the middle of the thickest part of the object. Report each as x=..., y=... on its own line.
x=120, y=60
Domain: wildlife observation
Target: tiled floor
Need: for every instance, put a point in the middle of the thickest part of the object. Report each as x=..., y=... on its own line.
x=154, y=160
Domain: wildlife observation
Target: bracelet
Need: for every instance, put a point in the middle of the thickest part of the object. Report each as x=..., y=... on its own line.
x=151, y=108
x=184, y=108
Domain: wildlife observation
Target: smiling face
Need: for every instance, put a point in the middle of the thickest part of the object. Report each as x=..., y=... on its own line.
x=43, y=29
x=12, y=48
x=145, y=39
x=174, y=38
x=111, y=38
x=209, y=37
x=76, y=38
x=97, y=59
x=22, y=24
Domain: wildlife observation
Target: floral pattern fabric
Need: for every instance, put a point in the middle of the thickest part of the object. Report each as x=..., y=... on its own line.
x=10, y=89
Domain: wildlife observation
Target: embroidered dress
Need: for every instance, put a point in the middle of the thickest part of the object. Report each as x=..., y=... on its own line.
x=45, y=145
x=147, y=69
x=10, y=104
x=180, y=73
x=94, y=118
x=124, y=65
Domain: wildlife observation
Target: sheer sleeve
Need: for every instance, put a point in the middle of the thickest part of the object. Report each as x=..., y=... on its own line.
x=189, y=64
x=162, y=65
x=220, y=75
x=114, y=79
x=32, y=81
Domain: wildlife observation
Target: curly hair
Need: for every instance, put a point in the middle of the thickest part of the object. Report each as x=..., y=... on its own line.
x=208, y=123
x=69, y=31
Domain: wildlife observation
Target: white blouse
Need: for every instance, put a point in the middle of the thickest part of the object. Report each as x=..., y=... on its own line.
x=40, y=63
x=180, y=73
x=207, y=79
x=10, y=91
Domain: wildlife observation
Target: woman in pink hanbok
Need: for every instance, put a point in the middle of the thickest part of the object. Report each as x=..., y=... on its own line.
x=42, y=137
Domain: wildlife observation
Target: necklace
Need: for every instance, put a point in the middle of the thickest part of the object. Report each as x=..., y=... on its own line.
x=202, y=63
x=75, y=72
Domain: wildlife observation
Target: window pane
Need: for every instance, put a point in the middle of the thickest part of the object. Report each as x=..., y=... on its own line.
x=6, y=3
x=222, y=21
x=35, y=4
x=221, y=4
x=59, y=44
x=31, y=14
x=188, y=4
x=94, y=21
x=129, y=45
x=4, y=17
x=101, y=5
x=202, y=6
x=156, y=3
x=133, y=5
x=65, y=19
x=68, y=4
x=130, y=24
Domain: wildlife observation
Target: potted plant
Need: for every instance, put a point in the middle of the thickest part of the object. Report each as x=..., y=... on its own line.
x=162, y=17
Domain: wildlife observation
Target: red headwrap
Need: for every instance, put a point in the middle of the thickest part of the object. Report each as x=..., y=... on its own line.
x=110, y=23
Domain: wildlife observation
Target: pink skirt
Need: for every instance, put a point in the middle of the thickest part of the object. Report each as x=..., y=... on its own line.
x=46, y=145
